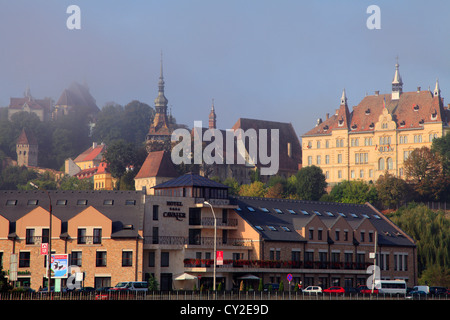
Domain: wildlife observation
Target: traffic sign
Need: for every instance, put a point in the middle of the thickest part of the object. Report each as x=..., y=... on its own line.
x=289, y=277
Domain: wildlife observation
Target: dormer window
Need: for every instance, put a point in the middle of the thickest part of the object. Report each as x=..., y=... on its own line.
x=371, y=126
x=341, y=122
x=402, y=124
x=367, y=111
x=354, y=126
x=421, y=122
x=325, y=128
x=434, y=115
x=416, y=107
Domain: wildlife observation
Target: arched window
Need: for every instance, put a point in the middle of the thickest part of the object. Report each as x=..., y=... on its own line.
x=381, y=164
x=390, y=164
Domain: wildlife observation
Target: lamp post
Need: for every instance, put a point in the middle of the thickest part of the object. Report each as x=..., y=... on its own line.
x=215, y=244
x=49, y=253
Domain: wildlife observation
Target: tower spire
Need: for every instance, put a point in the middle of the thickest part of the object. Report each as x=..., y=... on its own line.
x=437, y=90
x=343, y=98
x=212, y=117
x=397, y=83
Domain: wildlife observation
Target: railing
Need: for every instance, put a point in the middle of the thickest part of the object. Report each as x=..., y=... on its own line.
x=287, y=264
x=209, y=222
x=200, y=241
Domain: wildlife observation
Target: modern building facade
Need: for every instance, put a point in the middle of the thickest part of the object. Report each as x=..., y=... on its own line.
x=376, y=135
x=114, y=236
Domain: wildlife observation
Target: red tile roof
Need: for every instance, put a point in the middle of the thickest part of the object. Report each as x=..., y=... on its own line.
x=91, y=153
x=410, y=111
x=157, y=164
x=26, y=139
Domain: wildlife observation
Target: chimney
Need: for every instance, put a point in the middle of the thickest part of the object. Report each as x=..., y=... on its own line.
x=94, y=145
x=377, y=92
x=418, y=89
x=327, y=115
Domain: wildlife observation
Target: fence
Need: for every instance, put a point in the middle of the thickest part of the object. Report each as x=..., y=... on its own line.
x=210, y=295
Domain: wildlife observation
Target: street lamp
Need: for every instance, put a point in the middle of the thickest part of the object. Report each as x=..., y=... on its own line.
x=215, y=244
x=49, y=253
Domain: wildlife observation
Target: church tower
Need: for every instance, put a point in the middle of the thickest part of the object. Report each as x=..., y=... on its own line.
x=159, y=134
x=397, y=84
x=27, y=150
x=212, y=117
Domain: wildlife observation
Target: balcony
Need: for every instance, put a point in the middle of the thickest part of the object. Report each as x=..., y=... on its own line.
x=198, y=241
x=277, y=264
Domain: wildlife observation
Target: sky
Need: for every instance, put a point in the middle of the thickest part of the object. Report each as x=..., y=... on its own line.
x=284, y=60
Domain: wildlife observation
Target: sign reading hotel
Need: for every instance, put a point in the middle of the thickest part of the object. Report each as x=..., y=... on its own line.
x=175, y=211
x=219, y=258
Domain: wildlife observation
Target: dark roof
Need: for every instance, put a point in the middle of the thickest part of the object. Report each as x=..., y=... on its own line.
x=190, y=180
x=290, y=215
x=78, y=95
x=118, y=211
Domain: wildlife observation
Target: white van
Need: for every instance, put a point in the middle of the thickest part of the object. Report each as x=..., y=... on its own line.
x=131, y=285
x=391, y=286
x=425, y=289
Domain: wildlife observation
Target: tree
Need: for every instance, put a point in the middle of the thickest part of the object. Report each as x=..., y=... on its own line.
x=275, y=191
x=121, y=155
x=255, y=189
x=233, y=185
x=353, y=192
x=392, y=191
x=310, y=184
x=424, y=169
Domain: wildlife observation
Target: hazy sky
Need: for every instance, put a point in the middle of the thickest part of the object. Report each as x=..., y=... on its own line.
x=278, y=60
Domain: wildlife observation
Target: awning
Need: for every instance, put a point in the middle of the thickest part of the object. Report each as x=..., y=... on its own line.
x=248, y=277
x=185, y=276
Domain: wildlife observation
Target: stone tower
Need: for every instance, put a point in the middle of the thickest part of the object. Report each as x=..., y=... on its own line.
x=27, y=150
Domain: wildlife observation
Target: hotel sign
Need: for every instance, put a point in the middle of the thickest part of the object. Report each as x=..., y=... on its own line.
x=175, y=211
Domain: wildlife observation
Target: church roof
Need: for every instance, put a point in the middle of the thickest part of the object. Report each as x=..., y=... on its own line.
x=78, y=95
x=157, y=164
x=25, y=138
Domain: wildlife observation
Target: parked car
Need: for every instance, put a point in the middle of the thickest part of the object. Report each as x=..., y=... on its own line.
x=365, y=290
x=425, y=289
x=438, y=291
x=417, y=294
x=312, y=289
x=350, y=290
x=131, y=285
x=275, y=286
x=334, y=289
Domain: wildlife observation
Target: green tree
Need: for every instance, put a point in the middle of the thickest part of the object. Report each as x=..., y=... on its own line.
x=353, y=192
x=233, y=185
x=255, y=189
x=392, y=191
x=73, y=183
x=310, y=183
x=424, y=169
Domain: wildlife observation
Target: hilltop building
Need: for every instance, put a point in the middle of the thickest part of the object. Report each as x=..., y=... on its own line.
x=377, y=135
x=41, y=107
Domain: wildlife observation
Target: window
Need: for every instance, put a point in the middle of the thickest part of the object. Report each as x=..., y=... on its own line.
x=406, y=154
x=327, y=144
x=251, y=209
x=278, y=210
x=390, y=164
x=319, y=234
x=381, y=164
x=272, y=228
x=352, y=174
x=81, y=236
x=108, y=202
x=259, y=228
x=339, y=158
x=30, y=239
x=164, y=259
x=354, y=215
x=100, y=259
x=75, y=258
x=311, y=234
x=61, y=202
x=24, y=259
x=285, y=228
x=264, y=209
x=318, y=160
x=317, y=212
x=127, y=258
x=32, y=202
x=327, y=159
x=339, y=174
x=417, y=138
x=403, y=139
x=11, y=202
x=361, y=173
x=318, y=144
x=82, y=202
x=329, y=213
x=342, y=214
x=309, y=160
x=45, y=235
x=292, y=211
x=155, y=212
x=362, y=236
x=130, y=202
x=304, y=212
x=97, y=239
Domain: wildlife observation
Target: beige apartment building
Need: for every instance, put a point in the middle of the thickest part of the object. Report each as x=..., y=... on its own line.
x=376, y=135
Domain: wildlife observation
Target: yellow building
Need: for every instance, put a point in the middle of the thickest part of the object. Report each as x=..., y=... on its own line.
x=103, y=180
x=377, y=135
